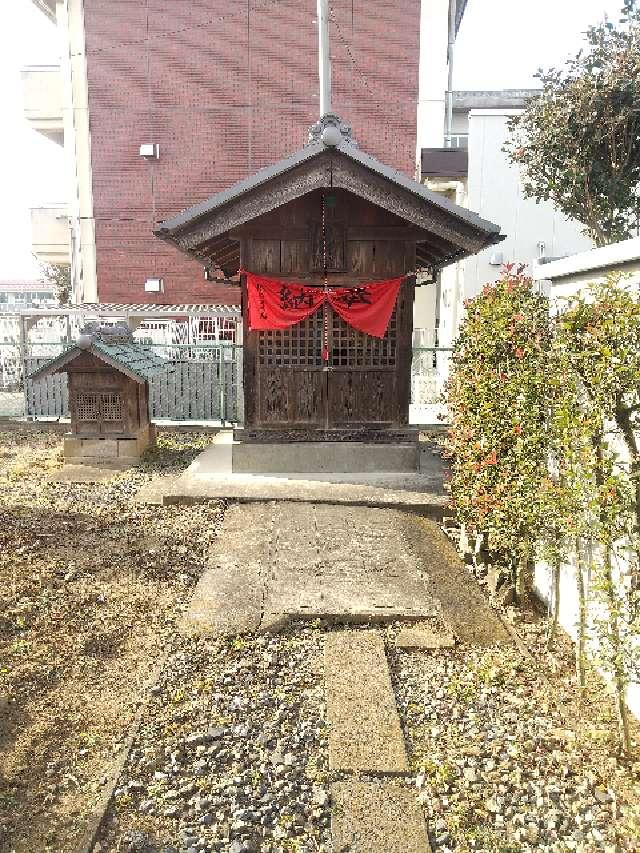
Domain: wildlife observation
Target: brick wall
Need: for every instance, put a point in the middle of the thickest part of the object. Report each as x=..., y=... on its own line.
x=225, y=87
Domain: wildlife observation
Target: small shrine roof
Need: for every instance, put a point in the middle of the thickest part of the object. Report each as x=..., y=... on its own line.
x=137, y=361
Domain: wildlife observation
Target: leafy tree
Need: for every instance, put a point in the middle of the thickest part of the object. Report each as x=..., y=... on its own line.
x=497, y=399
x=60, y=276
x=545, y=415
x=578, y=141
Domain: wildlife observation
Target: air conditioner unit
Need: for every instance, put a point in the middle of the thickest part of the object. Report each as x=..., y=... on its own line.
x=150, y=150
x=496, y=259
x=154, y=285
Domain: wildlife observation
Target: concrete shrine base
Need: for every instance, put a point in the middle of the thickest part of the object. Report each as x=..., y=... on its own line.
x=213, y=476
x=108, y=451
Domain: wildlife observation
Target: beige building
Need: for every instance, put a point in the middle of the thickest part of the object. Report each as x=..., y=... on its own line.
x=55, y=105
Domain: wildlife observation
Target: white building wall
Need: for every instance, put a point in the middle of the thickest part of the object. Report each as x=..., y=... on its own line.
x=563, y=279
x=495, y=193
x=432, y=74
x=77, y=145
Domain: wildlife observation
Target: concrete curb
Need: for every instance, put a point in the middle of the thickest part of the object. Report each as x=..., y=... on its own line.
x=95, y=821
x=427, y=509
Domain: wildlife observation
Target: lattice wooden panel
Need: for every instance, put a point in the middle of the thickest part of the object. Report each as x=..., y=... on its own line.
x=111, y=406
x=351, y=348
x=88, y=407
x=95, y=407
x=299, y=346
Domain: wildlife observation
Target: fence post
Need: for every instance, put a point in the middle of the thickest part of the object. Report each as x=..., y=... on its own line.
x=223, y=401
x=22, y=361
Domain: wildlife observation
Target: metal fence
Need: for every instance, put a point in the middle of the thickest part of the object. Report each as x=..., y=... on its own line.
x=203, y=382
x=429, y=374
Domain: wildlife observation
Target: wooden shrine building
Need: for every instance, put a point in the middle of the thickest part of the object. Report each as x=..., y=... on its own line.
x=108, y=378
x=333, y=218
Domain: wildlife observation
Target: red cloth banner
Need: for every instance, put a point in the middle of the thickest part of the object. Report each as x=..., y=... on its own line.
x=275, y=304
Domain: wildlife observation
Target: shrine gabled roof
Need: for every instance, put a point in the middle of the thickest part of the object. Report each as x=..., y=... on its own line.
x=450, y=232
x=137, y=362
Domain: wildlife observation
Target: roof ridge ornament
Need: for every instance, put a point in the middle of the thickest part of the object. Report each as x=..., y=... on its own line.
x=331, y=131
x=106, y=333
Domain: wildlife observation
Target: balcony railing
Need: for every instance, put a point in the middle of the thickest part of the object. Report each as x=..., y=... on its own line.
x=457, y=140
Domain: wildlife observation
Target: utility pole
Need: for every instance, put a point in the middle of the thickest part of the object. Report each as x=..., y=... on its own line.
x=324, y=65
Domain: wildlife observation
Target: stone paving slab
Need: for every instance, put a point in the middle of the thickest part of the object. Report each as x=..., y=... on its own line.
x=277, y=561
x=228, y=597
x=412, y=493
x=364, y=727
x=332, y=561
x=424, y=638
x=377, y=817
x=464, y=606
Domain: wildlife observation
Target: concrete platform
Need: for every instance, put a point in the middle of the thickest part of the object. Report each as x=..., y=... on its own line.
x=228, y=597
x=364, y=727
x=324, y=457
x=211, y=477
x=377, y=817
x=168, y=491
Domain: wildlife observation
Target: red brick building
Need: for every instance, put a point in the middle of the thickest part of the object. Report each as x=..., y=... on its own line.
x=222, y=88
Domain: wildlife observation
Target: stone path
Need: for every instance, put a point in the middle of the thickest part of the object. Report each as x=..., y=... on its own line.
x=282, y=560
x=377, y=817
x=277, y=561
x=365, y=734
x=372, y=813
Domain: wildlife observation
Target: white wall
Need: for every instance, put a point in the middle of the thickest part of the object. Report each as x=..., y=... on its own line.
x=77, y=148
x=563, y=279
x=432, y=74
x=495, y=192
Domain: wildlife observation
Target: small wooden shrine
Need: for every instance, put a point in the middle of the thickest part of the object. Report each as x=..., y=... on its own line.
x=327, y=244
x=108, y=396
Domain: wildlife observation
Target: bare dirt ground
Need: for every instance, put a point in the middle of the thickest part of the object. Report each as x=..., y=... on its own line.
x=91, y=586
x=230, y=756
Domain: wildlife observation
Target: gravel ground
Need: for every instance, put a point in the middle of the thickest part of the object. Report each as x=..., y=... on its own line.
x=91, y=585
x=502, y=760
x=232, y=754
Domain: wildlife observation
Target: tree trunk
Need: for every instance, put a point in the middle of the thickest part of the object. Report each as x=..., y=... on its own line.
x=623, y=419
x=555, y=600
x=619, y=676
x=524, y=581
x=582, y=616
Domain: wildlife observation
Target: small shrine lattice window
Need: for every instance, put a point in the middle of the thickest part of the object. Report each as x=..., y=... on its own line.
x=111, y=406
x=95, y=407
x=87, y=407
x=351, y=348
x=299, y=346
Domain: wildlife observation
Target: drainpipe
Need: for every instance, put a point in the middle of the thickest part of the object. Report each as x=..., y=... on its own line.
x=453, y=9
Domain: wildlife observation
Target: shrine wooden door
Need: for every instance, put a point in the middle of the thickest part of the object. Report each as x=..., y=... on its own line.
x=363, y=382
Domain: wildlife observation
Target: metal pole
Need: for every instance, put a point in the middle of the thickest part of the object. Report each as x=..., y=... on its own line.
x=453, y=8
x=324, y=66
x=24, y=370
